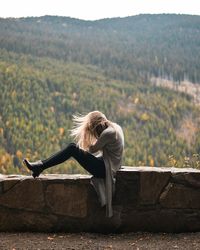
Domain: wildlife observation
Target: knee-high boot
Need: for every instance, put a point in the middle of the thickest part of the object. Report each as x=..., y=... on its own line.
x=35, y=167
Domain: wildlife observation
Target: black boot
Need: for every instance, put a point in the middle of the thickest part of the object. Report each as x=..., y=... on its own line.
x=35, y=167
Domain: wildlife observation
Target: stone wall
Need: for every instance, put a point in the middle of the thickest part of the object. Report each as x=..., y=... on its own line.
x=146, y=199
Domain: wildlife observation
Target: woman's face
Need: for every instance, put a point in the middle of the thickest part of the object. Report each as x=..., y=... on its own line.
x=100, y=128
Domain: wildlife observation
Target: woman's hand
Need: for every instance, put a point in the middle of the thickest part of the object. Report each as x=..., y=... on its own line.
x=91, y=149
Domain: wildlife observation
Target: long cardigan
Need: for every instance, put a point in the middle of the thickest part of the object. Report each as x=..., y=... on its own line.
x=111, y=143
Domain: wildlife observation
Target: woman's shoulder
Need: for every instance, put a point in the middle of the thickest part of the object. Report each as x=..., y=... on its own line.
x=112, y=129
x=109, y=130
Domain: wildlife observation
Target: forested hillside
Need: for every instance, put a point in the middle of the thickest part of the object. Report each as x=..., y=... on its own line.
x=53, y=67
x=132, y=48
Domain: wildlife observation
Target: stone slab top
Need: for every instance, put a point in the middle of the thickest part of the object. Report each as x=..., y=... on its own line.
x=87, y=177
x=47, y=177
x=158, y=169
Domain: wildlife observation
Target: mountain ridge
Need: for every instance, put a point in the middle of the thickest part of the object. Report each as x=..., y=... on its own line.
x=164, y=45
x=49, y=71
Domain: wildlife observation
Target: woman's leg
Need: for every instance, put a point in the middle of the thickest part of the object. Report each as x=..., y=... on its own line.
x=92, y=164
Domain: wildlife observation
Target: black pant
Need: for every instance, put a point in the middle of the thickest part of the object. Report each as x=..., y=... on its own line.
x=94, y=165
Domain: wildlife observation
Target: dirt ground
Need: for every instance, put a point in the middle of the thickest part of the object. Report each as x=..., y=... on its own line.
x=78, y=241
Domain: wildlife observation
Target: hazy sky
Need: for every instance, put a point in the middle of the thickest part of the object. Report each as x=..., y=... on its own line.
x=96, y=9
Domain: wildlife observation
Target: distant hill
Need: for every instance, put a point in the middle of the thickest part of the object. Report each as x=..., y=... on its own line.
x=52, y=67
x=130, y=48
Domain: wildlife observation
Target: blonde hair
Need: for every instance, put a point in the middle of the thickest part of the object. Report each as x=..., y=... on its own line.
x=84, y=128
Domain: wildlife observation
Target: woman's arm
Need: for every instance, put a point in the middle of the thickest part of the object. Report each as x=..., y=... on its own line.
x=105, y=138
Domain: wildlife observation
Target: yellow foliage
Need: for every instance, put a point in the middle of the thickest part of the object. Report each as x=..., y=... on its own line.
x=1, y=131
x=136, y=100
x=174, y=104
x=13, y=94
x=144, y=117
x=2, y=160
x=19, y=154
x=5, y=159
x=52, y=109
x=56, y=93
x=3, y=169
x=172, y=161
x=74, y=95
x=61, y=131
x=151, y=162
x=11, y=69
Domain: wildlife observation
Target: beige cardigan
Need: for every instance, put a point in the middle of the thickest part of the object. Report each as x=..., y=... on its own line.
x=111, y=143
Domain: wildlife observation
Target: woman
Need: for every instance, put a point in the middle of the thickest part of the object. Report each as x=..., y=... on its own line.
x=93, y=133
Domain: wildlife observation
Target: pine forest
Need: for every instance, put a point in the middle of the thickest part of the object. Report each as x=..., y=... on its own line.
x=52, y=67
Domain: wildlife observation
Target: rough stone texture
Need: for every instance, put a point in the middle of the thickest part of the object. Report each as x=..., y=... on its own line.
x=70, y=200
x=19, y=220
x=179, y=196
x=187, y=179
x=146, y=199
x=127, y=188
x=151, y=185
x=24, y=194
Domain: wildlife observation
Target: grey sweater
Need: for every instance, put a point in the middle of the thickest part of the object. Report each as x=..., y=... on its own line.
x=111, y=143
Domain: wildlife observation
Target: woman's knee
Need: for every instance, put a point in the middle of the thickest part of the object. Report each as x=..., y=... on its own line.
x=72, y=147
